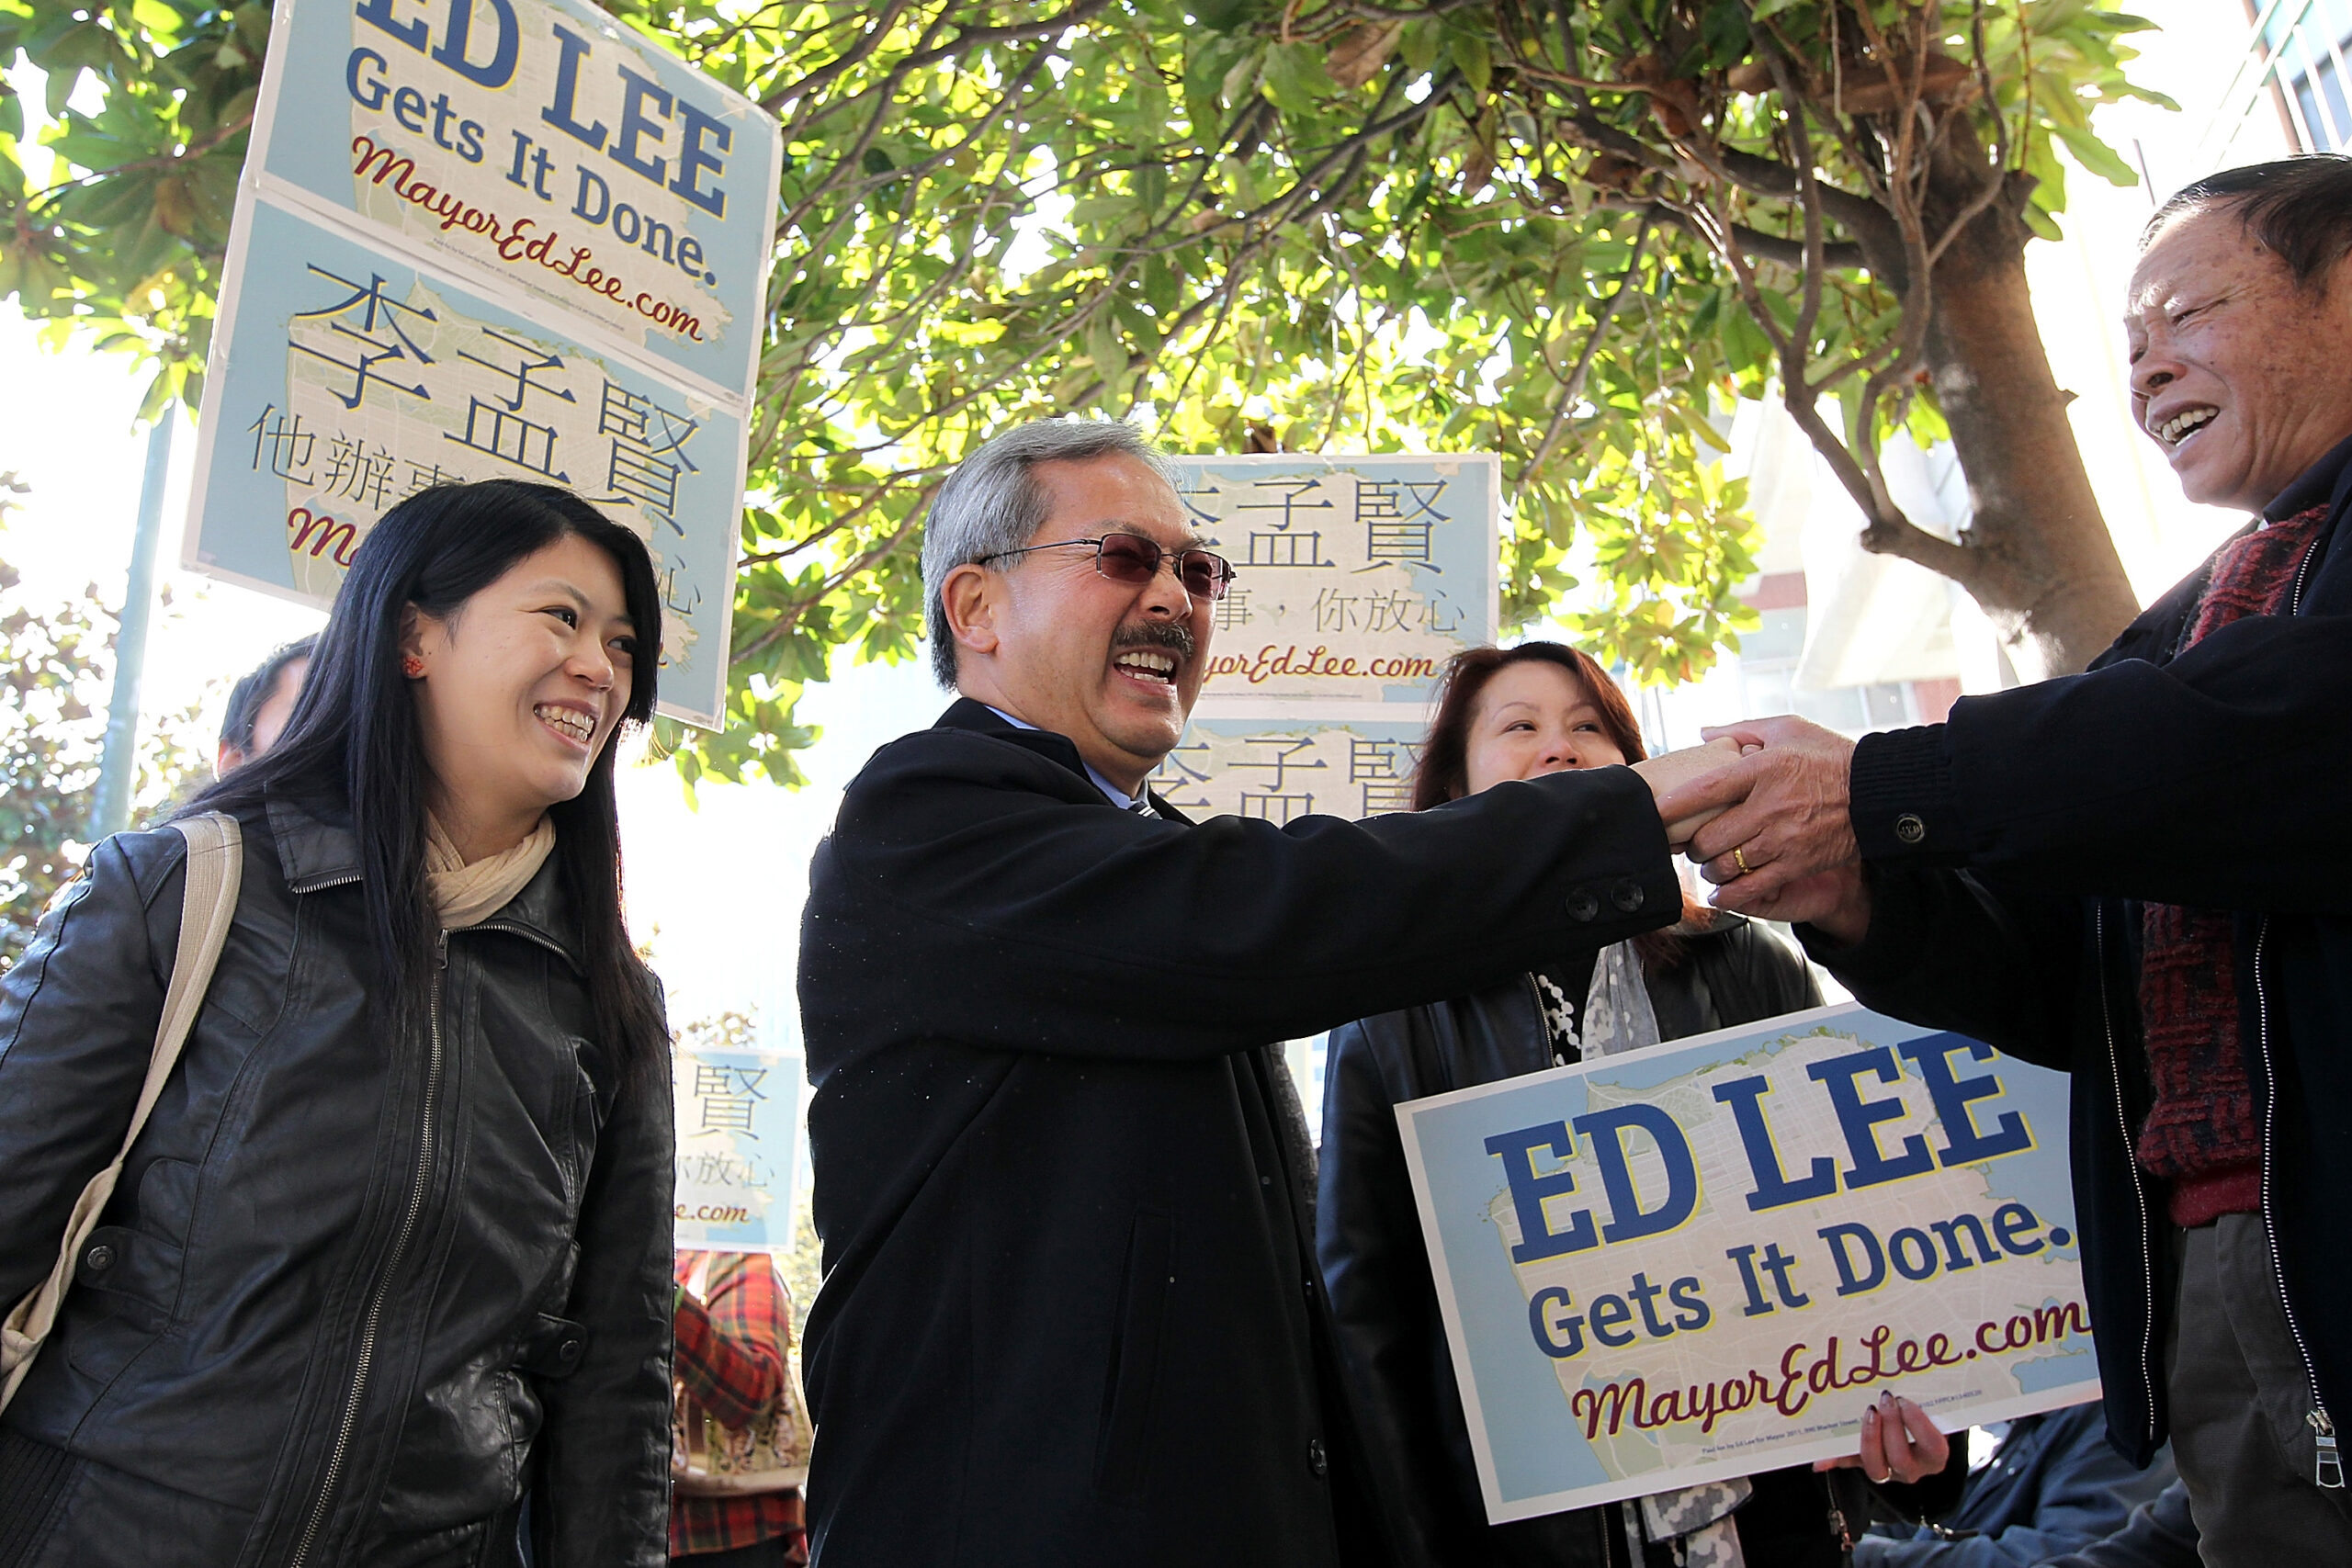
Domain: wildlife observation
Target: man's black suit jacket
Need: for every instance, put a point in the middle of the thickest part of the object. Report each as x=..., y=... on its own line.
x=1071, y=1311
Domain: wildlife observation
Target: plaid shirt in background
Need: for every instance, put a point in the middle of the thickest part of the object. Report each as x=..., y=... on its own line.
x=730, y=1357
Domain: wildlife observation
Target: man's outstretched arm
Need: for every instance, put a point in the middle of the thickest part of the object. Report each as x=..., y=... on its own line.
x=2215, y=780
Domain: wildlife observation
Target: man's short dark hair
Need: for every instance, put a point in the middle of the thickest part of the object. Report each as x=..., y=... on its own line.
x=2299, y=209
x=246, y=697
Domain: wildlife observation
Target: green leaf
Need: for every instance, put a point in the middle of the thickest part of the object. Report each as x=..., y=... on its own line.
x=1724, y=32
x=1293, y=74
x=1417, y=46
x=2096, y=156
x=1473, y=59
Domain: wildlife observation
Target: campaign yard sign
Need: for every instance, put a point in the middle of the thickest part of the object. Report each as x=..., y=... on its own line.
x=1359, y=576
x=478, y=238
x=738, y=1121
x=1706, y=1258
x=1276, y=769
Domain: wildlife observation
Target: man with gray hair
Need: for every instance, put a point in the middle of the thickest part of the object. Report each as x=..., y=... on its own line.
x=1072, y=1312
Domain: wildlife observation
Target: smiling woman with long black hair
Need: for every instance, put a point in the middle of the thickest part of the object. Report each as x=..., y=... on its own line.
x=394, y=1246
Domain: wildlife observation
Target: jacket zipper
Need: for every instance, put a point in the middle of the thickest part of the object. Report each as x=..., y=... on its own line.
x=373, y=1321
x=529, y=935
x=2131, y=1164
x=2329, y=1471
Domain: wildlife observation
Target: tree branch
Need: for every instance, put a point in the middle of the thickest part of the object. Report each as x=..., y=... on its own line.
x=1906, y=540
x=145, y=165
x=1841, y=256
x=1572, y=391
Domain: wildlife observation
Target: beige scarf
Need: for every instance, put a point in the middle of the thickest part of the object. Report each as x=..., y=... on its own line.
x=467, y=895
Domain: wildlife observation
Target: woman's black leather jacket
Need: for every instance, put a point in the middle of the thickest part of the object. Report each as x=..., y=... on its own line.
x=355, y=1292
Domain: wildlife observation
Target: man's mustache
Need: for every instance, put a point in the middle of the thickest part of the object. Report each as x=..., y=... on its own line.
x=1176, y=640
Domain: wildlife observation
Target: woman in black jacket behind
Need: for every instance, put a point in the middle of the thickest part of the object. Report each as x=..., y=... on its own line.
x=394, y=1246
x=1512, y=714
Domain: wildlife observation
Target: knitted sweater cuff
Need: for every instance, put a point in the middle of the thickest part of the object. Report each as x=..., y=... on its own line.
x=1900, y=798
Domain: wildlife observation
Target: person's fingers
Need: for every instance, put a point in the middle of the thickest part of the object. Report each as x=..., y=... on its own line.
x=1753, y=731
x=1871, y=1446
x=1930, y=1447
x=1772, y=878
x=1725, y=869
x=1836, y=902
x=1724, y=786
x=1902, y=1462
x=1739, y=901
x=1900, y=1443
x=1843, y=1461
x=1678, y=829
x=1740, y=821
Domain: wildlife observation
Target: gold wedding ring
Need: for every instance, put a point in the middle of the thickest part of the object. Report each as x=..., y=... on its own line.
x=1739, y=859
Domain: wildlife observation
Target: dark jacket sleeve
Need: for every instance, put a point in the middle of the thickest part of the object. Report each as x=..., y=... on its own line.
x=603, y=1494
x=1084, y=931
x=1955, y=951
x=78, y=1013
x=2160, y=1534
x=2215, y=780
x=1376, y=1270
x=2066, y=1496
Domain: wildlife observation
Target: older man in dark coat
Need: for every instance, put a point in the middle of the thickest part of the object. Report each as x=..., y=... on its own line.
x=2136, y=872
x=1072, y=1313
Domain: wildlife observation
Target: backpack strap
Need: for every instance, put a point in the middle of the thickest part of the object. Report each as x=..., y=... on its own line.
x=207, y=907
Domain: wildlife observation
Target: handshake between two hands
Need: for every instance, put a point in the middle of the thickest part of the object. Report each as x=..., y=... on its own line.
x=1762, y=809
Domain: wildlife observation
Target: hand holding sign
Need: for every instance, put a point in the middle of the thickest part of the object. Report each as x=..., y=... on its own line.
x=1899, y=1444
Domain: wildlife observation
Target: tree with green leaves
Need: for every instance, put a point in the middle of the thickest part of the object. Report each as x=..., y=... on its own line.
x=54, y=666
x=1569, y=232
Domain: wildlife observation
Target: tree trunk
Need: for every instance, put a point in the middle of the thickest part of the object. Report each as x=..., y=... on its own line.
x=2038, y=557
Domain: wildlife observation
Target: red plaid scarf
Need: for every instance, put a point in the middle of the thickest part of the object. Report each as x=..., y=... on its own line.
x=2201, y=1136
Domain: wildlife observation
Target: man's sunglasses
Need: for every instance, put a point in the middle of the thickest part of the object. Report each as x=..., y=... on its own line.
x=1134, y=560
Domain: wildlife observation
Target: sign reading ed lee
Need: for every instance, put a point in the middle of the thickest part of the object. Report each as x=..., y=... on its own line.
x=1705, y=1258
x=479, y=239
x=354, y=381
x=1359, y=576
x=544, y=143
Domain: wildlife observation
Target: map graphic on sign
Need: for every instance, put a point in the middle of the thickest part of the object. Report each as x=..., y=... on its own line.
x=1705, y=1258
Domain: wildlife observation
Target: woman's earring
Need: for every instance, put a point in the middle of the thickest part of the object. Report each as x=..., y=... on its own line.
x=412, y=667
